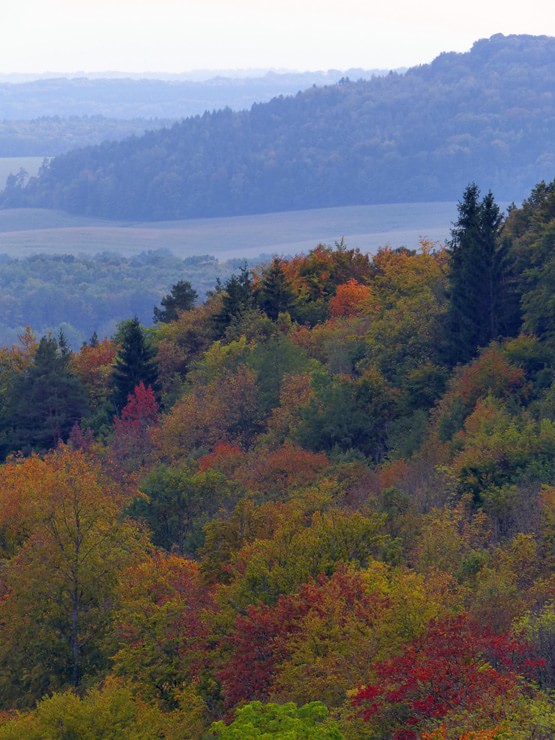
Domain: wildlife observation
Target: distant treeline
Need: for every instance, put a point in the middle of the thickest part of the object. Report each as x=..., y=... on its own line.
x=486, y=115
x=51, y=135
x=84, y=295
x=45, y=117
x=128, y=98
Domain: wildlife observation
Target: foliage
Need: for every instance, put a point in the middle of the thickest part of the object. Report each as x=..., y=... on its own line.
x=44, y=401
x=182, y=297
x=321, y=512
x=482, y=302
x=134, y=363
x=454, y=665
x=284, y=721
x=58, y=585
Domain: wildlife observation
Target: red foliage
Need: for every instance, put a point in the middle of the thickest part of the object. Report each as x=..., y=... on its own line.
x=225, y=458
x=131, y=443
x=263, y=638
x=141, y=409
x=454, y=665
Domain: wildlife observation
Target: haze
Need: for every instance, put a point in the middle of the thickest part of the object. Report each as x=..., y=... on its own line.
x=180, y=35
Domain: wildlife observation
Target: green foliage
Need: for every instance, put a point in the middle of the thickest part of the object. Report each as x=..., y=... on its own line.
x=287, y=721
x=134, y=363
x=345, y=415
x=44, y=403
x=93, y=293
x=182, y=297
x=237, y=299
x=180, y=502
x=483, y=304
x=274, y=294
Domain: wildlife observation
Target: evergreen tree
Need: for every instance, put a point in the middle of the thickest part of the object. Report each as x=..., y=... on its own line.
x=45, y=403
x=275, y=295
x=237, y=298
x=182, y=297
x=483, y=302
x=134, y=363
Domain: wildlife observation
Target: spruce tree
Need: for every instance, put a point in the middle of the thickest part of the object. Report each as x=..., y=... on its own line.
x=134, y=363
x=482, y=297
x=45, y=403
x=237, y=298
x=275, y=295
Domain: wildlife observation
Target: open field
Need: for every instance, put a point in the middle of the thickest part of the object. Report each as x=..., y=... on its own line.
x=31, y=231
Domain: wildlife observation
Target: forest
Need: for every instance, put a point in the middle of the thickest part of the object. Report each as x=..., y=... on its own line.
x=90, y=110
x=422, y=135
x=81, y=295
x=318, y=504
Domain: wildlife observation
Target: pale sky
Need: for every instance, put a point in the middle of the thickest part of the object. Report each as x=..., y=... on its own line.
x=183, y=35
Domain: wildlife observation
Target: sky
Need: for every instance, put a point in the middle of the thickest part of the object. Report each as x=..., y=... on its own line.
x=38, y=36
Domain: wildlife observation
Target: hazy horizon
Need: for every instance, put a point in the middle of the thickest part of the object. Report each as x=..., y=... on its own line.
x=171, y=36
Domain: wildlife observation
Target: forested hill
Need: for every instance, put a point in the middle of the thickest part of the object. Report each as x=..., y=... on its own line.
x=487, y=115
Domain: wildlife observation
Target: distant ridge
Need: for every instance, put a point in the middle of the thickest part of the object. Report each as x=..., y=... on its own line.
x=487, y=115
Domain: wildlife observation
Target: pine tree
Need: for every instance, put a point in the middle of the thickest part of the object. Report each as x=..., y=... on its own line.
x=134, y=363
x=182, y=297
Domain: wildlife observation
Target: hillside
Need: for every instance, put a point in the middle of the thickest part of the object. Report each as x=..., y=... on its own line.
x=487, y=115
x=49, y=116
x=320, y=504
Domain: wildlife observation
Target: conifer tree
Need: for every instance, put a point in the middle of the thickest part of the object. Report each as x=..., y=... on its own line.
x=182, y=297
x=483, y=304
x=237, y=298
x=275, y=295
x=46, y=401
x=134, y=363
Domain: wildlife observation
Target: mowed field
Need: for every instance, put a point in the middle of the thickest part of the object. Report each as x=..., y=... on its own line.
x=31, y=231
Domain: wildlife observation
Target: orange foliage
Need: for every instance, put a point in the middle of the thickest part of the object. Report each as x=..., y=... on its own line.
x=284, y=468
x=295, y=393
x=393, y=473
x=490, y=373
x=93, y=366
x=316, y=274
x=352, y=299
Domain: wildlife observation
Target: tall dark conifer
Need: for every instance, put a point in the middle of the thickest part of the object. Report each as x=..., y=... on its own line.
x=483, y=304
x=45, y=403
x=274, y=294
x=134, y=362
x=237, y=298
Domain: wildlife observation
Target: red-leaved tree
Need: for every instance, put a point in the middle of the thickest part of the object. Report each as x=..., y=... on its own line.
x=456, y=666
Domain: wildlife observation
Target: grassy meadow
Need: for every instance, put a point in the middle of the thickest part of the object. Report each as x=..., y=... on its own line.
x=32, y=231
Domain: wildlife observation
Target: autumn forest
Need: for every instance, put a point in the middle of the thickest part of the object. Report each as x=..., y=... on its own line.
x=318, y=504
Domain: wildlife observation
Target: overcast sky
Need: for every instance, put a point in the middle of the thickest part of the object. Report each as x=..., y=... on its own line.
x=182, y=35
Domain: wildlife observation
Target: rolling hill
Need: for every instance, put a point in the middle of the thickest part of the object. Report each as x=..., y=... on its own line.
x=487, y=115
